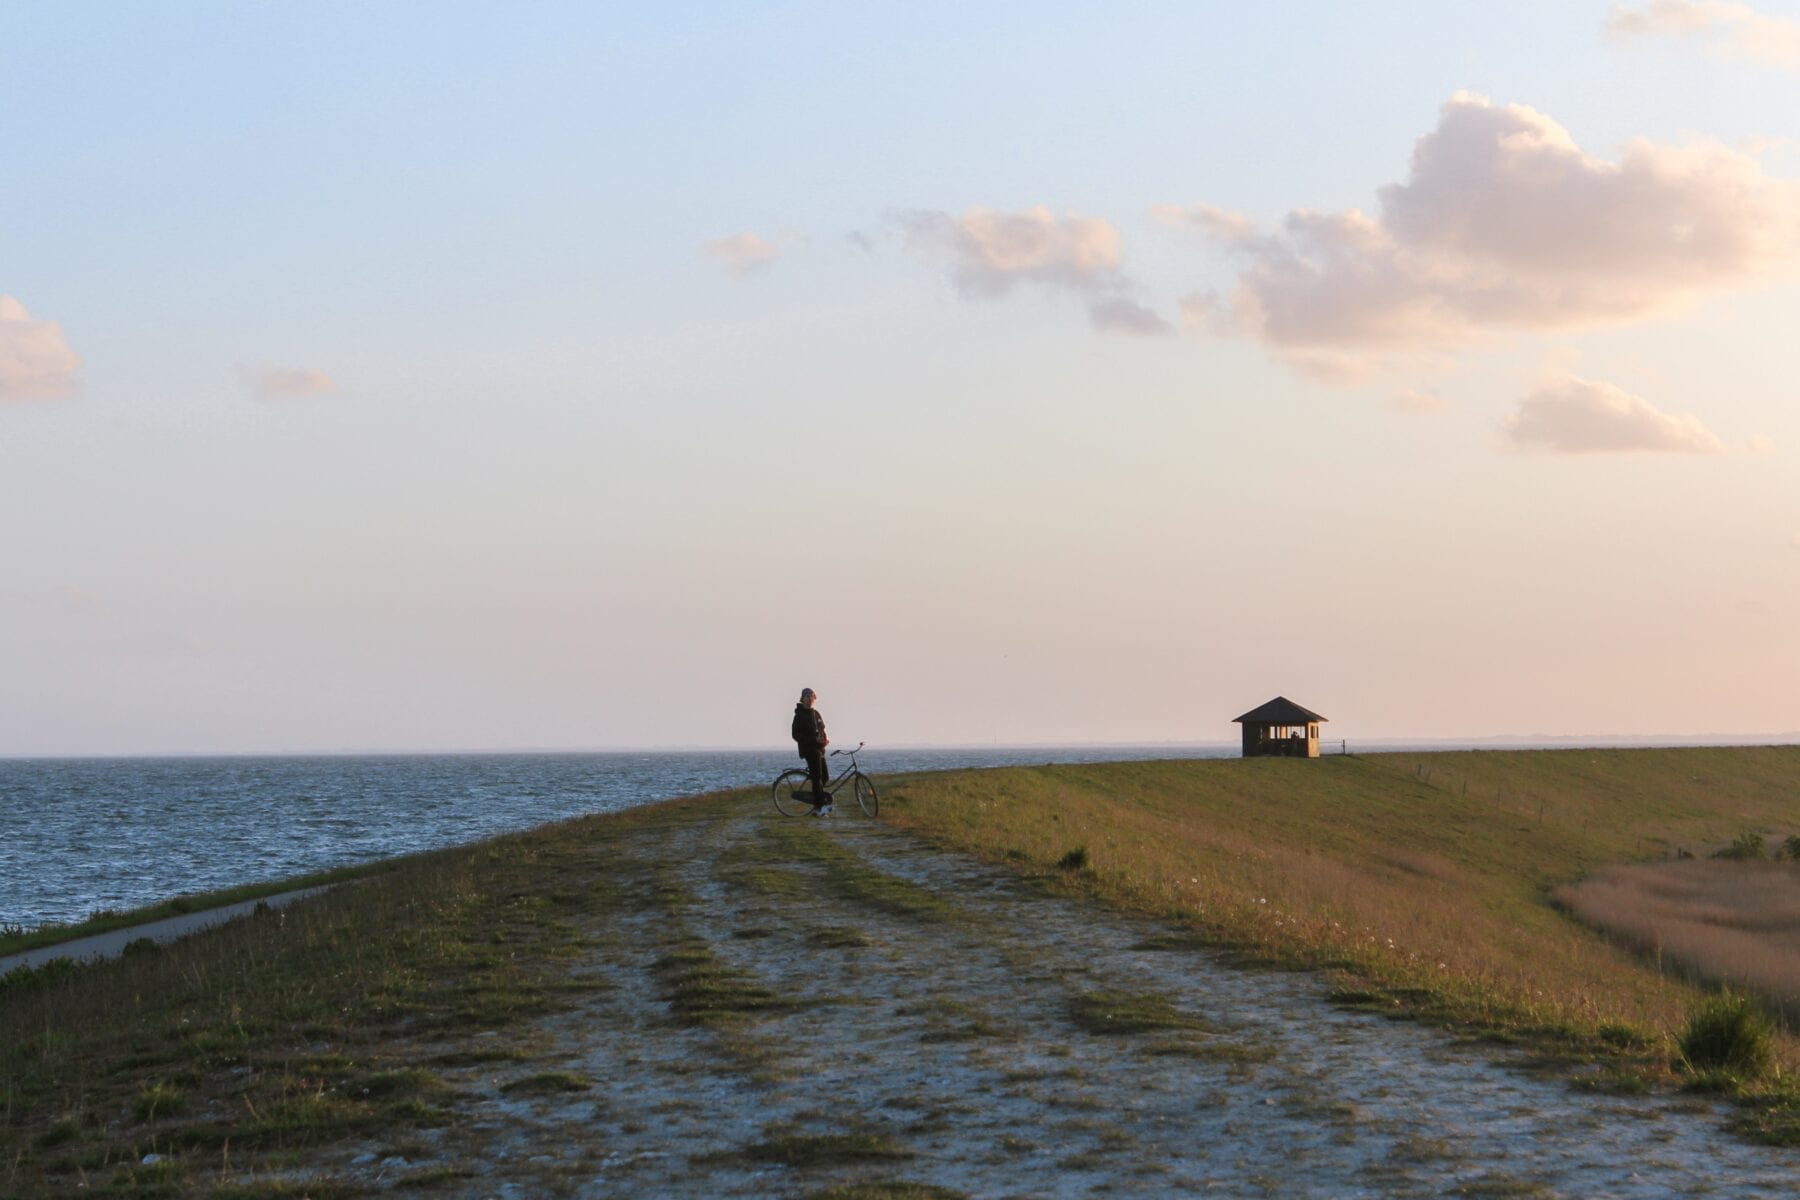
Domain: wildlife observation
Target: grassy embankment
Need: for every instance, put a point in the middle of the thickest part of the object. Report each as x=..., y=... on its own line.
x=13, y=939
x=239, y=1049
x=1430, y=881
x=1427, y=880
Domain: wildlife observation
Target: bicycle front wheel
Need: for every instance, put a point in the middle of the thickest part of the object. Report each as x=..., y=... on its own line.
x=790, y=786
x=866, y=799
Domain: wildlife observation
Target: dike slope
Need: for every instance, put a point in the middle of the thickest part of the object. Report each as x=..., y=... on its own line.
x=703, y=998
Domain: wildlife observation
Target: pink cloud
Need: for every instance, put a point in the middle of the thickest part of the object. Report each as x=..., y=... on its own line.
x=286, y=383
x=742, y=254
x=1505, y=224
x=988, y=253
x=35, y=360
x=1732, y=30
x=1583, y=416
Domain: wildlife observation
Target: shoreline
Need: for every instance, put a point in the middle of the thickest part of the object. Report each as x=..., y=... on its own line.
x=18, y=941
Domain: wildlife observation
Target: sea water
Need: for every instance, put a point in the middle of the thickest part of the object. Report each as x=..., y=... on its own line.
x=79, y=836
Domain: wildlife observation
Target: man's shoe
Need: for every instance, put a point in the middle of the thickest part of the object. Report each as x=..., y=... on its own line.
x=824, y=810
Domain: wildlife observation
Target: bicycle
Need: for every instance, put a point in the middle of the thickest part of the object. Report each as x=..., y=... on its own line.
x=791, y=788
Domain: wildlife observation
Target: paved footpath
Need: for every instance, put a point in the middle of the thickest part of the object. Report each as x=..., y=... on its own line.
x=112, y=943
x=954, y=1029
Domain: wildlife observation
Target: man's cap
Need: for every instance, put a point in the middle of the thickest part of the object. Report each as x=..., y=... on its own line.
x=805, y=692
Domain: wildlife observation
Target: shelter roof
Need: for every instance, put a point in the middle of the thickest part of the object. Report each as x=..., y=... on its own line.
x=1279, y=711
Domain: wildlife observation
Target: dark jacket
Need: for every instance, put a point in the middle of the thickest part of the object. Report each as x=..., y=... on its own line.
x=809, y=729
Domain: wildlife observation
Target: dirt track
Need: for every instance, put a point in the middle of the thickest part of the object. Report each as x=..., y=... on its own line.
x=916, y=1017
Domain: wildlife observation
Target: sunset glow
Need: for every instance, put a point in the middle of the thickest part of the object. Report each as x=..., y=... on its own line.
x=568, y=376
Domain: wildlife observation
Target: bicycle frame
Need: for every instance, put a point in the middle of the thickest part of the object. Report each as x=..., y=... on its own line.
x=850, y=772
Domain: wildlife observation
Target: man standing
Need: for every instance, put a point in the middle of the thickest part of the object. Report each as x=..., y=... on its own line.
x=809, y=736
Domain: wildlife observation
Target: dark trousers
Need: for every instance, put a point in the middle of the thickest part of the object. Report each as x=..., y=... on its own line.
x=815, y=766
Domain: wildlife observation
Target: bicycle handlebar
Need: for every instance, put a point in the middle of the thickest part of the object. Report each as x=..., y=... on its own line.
x=859, y=747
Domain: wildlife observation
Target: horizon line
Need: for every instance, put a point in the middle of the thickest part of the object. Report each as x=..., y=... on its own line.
x=1575, y=741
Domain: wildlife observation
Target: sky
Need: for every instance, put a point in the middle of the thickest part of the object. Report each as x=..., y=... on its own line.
x=504, y=376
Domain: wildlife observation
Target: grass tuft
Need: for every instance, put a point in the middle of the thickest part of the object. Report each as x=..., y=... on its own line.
x=1113, y=1013
x=158, y=1100
x=1747, y=846
x=824, y=1149
x=1728, y=1035
x=547, y=1083
x=897, y=1189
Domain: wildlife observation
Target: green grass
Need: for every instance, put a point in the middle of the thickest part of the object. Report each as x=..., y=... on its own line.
x=701, y=990
x=898, y=1189
x=547, y=1083
x=850, y=878
x=1114, y=1013
x=792, y=1149
x=949, y=1020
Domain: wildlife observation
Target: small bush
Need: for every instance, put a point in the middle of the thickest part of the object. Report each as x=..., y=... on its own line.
x=1791, y=847
x=140, y=946
x=1728, y=1033
x=1074, y=860
x=30, y=979
x=1749, y=845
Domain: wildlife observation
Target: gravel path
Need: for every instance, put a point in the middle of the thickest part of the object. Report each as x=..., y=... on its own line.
x=938, y=1022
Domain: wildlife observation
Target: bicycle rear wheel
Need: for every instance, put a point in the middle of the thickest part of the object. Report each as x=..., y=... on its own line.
x=790, y=789
x=866, y=799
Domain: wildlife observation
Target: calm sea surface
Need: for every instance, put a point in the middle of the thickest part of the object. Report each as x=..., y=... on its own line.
x=79, y=835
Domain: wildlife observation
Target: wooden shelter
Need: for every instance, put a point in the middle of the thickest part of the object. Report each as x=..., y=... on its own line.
x=1280, y=728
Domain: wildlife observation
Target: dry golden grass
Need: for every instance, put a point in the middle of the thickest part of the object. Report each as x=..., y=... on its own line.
x=1428, y=876
x=1722, y=921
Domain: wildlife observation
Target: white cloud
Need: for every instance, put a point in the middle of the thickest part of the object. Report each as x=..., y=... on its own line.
x=742, y=254
x=1119, y=315
x=1217, y=223
x=286, y=383
x=1732, y=29
x=35, y=360
x=1582, y=416
x=1760, y=443
x=1504, y=223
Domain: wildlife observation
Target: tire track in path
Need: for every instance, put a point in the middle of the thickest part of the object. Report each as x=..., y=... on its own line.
x=914, y=1016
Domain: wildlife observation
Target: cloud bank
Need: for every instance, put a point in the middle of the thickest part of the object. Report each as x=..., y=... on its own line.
x=287, y=383
x=1504, y=223
x=988, y=253
x=742, y=254
x=1582, y=416
x=1731, y=29
x=35, y=360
